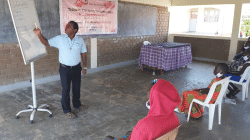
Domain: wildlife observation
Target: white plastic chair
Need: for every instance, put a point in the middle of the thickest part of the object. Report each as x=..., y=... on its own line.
x=224, y=84
x=244, y=82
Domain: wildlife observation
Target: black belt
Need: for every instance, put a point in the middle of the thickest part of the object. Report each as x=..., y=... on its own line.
x=69, y=66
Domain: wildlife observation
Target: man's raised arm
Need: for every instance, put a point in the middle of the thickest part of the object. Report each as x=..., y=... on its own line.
x=37, y=31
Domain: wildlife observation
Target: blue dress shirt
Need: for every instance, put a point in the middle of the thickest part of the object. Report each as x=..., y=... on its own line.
x=69, y=50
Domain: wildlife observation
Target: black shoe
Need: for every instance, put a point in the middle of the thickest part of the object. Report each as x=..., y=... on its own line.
x=236, y=92
x=230, y=96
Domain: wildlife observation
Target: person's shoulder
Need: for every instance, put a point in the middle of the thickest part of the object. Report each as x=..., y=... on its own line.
x=78, y=37
x=60, y=36
x=63, y=35
x=215, y=80
x=143, y=122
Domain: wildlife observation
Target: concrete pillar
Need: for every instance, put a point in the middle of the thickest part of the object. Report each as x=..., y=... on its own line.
x=170, y=37
x=235, y=31
x=93, y=60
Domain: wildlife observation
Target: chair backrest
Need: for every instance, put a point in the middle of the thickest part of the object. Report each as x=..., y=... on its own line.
x=146, y=43
x=171, y=135
x=245, y=75
x=224, y=84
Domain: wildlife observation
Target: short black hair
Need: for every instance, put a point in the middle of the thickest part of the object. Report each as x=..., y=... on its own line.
x=75, y=25
x=221, y=68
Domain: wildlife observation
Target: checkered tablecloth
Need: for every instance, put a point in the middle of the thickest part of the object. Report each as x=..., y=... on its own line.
x=166, y=56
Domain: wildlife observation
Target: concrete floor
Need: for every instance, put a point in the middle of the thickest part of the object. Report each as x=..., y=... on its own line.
x=116, y=102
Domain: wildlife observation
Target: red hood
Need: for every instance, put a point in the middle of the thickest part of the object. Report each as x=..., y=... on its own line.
x=163, y=98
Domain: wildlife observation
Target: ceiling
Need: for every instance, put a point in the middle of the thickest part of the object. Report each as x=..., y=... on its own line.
x=164, y=3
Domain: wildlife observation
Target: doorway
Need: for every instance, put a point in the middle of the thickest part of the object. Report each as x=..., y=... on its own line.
x=193, y=20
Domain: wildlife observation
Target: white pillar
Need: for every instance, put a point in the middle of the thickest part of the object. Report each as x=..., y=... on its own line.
x=170, y=37
x=93, y=43
x=235, y=31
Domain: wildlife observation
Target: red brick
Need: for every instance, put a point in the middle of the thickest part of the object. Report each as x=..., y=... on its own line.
x=11, y=45
x=26, y=67
x=15, y=51
x=3, y=56
x=13, y=76
x=21, y=64
x=12, y=61
x=19, y=55
x=7, y=82
x=17, y=70
x=3, y=66
x=11, y=66
x=5, y=51
x=18, y=80
x=23, y=74
x=39, y=72
x=1, y=46
x=28, y=77
x=5, y=72
x=4, y=77
x=38, y=76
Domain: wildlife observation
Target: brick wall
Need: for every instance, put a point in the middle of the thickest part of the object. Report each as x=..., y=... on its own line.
x=13, y=69
x=122, y=49
x=110, y=51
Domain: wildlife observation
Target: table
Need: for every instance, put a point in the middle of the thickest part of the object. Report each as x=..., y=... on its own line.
x=165, y=56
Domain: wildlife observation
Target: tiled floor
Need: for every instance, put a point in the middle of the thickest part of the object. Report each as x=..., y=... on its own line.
x=116, y=102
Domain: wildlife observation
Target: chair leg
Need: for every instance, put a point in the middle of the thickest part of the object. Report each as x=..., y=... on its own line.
x=219, y=113
x=247, y=85
x=189, y=111
x=211, y=116
x=243, y=92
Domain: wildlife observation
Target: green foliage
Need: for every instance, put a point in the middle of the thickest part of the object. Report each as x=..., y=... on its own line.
x=245, y=27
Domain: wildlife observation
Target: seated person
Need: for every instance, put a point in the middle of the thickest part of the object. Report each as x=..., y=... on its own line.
x=197, y=110
x=236, y=76
x=238, y=59
x=161, y=117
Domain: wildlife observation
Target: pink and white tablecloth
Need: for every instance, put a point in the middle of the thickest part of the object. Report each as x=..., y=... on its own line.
x=166, y=56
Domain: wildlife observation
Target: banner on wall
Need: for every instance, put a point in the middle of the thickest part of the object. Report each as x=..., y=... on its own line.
x=92, y=16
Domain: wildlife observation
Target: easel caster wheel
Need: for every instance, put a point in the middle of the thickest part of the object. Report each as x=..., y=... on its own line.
x=31, y=121
x=50, y=115
x=28, y=107
x=47, y=108
x=16, y=117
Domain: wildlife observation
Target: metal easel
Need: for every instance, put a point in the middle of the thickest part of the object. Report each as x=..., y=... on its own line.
x=33, y=108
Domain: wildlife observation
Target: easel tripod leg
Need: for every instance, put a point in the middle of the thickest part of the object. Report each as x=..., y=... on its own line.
x=27, y=110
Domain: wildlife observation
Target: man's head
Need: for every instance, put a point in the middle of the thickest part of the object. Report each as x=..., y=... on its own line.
x=220, y=70
x=71, y=28
x=247, y=44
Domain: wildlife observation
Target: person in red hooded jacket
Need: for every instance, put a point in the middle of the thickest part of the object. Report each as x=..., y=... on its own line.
x=161, y=117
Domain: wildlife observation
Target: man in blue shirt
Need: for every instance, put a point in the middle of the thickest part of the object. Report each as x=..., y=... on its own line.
x=71, y=50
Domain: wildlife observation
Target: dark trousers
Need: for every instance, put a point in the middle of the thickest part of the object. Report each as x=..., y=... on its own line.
x=231, y=87
x=70, y=74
